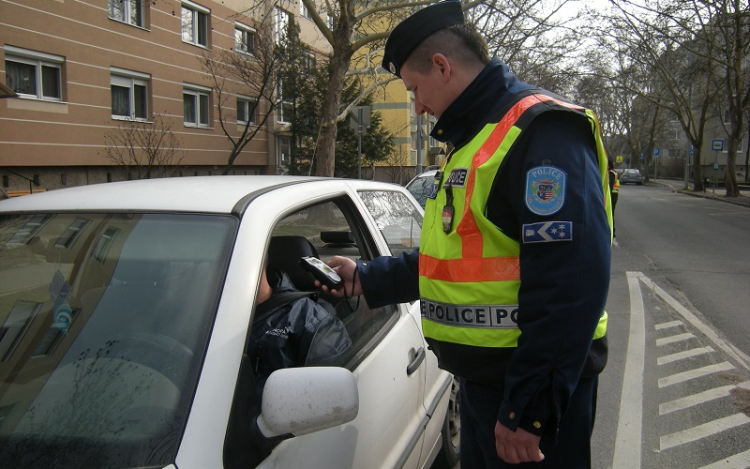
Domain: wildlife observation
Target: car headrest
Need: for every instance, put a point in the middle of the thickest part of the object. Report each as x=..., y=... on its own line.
x=284, y=253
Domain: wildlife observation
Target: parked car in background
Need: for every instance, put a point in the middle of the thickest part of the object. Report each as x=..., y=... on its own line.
x=631, y=176
x=125, y=310
x=421, y=185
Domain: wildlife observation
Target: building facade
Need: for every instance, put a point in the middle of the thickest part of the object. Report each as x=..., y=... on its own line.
x=85, y=71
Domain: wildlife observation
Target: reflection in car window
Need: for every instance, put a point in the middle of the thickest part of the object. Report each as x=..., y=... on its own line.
x=396, y=217
x=420, y=188
x=102, y=332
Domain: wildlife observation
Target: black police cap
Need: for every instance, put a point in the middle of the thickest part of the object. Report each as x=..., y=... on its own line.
x=413, y=30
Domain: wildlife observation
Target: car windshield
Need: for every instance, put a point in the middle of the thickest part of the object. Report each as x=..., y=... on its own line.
x=420, y=187
x=104, y=321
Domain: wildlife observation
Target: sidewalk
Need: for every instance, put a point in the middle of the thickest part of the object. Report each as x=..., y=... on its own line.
x=678, y=186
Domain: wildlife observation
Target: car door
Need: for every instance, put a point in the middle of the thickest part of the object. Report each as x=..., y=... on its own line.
x=400, y=221
x=386, y=345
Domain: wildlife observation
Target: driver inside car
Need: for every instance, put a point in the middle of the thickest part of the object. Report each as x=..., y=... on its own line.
x=292, y=328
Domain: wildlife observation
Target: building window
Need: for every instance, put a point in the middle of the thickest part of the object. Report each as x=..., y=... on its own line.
x=196, y=104
x=195, y=24
x=285, y=107
x=71, y=234
x=281, y=25
x=308, y=61
x=33, y=75
x=331, y=21
x=303, y=11
x=245, y=110
x=127, y=11
x=104, y=243
x=16, y=325
x=129, y=94
x=284, y=146
x=244, y=39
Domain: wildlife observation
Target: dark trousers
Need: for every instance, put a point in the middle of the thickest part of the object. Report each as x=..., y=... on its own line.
x=615, y=195
x=479, y=405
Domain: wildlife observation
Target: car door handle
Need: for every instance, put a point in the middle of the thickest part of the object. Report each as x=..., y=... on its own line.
x=414, y=365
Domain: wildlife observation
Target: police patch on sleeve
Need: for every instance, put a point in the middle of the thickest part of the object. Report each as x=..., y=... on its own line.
x=545, y=190
x=548, y=231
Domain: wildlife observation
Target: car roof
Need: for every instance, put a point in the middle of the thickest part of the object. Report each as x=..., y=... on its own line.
x=201, y=194
x=427, y=174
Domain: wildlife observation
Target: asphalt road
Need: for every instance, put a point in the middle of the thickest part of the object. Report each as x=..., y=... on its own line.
x=676, y=391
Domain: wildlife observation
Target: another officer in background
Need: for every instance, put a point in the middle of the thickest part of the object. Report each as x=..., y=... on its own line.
x=614, y=189
x=514, y=258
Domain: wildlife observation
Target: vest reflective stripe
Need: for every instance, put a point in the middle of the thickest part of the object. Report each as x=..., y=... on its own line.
x=461, y=270
x=488, y=269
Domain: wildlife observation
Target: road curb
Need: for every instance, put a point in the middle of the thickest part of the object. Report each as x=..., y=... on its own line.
x=740, y=200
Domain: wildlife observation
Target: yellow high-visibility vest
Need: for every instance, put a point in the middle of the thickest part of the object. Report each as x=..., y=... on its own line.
x=469, y=277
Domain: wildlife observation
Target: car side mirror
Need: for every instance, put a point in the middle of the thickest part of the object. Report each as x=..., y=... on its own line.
x=297, y=401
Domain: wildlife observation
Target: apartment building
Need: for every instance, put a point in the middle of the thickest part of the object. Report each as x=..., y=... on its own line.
x=82, y=69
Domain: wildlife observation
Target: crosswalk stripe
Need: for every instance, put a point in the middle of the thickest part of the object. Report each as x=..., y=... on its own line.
x=737, y=461
x=674, y=338
x=696, y=373
x=700, y=398
x=684, y=355
x=668, y=325
x=702, y=431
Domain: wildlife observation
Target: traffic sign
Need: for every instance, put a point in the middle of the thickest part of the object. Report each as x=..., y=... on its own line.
x=656, y=152
x=717, y=144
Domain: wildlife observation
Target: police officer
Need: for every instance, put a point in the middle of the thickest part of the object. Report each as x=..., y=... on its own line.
x=614, y=189
x=513, y=265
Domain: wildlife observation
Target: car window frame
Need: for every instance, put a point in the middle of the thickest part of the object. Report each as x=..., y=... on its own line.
x=245, y=445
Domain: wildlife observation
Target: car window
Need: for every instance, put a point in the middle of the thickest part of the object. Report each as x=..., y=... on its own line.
x=334, y=229
x=102, y=333
x=396, y=217
x=420, y=187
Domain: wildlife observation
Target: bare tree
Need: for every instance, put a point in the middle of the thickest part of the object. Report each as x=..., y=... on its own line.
x=246, y=83
x=144, y=150
x=356, y=32
x=695, y=51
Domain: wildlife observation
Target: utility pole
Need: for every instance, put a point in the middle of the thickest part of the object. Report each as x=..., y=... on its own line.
x=359, y=122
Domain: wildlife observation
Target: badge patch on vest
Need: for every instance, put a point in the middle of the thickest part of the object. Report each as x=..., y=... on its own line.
x=457, y=177
x=548, y=231
x=545, y=190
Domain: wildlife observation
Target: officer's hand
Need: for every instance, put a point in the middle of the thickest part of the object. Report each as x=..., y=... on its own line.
x=345, y=267
x=517, y=446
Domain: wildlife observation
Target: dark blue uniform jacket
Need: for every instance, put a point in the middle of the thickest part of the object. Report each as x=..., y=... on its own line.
x=563, y=284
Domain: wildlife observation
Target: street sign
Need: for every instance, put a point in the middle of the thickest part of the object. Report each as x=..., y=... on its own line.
x=656, y=152
x=717, y=144
x=692, y=151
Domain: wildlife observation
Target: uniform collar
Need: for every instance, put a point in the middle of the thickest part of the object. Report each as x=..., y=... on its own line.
x=478, y=104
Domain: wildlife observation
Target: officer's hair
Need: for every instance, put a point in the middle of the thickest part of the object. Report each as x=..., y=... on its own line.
x=461, y=42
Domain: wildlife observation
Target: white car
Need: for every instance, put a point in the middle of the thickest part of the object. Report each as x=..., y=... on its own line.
x=421, y=185
x=125, y=311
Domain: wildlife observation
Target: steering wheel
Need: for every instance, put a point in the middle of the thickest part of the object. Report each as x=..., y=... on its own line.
x=157, y=351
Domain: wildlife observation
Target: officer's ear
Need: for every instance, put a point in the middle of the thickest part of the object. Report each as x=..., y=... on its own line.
x=443, y=65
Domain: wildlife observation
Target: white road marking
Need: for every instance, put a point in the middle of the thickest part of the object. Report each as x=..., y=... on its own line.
x=700, y=398
x=668, y=325
x=693, y=374
x=737, y=461
x=673, y=339
x=698, y=324
x=629, y=426
x=695, y=352
x=702, y=431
